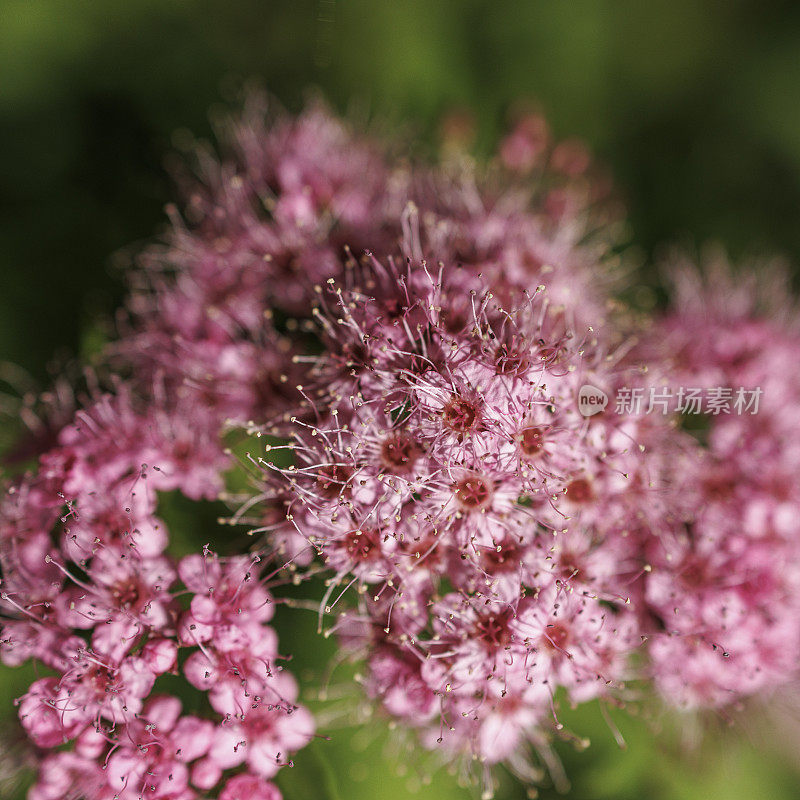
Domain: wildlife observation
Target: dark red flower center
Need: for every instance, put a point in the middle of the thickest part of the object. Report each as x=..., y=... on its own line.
x=696, y=573
x=531, y=441
x=362, y=545
x=399, y=452
x=555, y=636
x=181, y=451
x=719, y=485
x=511, y=359
x=549, y=354
x=425, y=546
x=356, y=357
x=494, y=631
x=568, y=566
x=474, y=491
x=127, y=594
x=461, y=414
x=505, y=559
x=454, y=319
x=580, y=491
x=100, y=682
x=333, y=480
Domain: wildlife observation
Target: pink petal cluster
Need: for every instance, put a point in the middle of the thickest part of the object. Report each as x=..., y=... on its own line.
x=260, y=227
x=292, y=201
x=725, y=585
x=442, y=465
x=408, y=343
x=89, y=592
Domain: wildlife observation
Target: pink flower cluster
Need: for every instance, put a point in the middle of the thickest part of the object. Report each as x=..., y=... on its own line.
x=89, y=593
x=725, y=583
x=220, y=307
x=407, y=343
x=442, y=464
x=260, y=228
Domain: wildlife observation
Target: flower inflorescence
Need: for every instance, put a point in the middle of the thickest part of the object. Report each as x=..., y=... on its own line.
x=408, y=345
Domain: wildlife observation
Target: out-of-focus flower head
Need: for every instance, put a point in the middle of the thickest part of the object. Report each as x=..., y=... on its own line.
x=281, y=209
x=725, y=584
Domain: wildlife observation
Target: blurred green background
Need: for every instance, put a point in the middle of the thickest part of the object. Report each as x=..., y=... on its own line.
x=694, y=106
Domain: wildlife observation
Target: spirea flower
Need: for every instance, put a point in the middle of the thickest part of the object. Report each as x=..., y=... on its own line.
x=283, y=207
x=88, y=591
x=442, y=465
x=408, y=342
x=260, y=227
x=724, y=585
